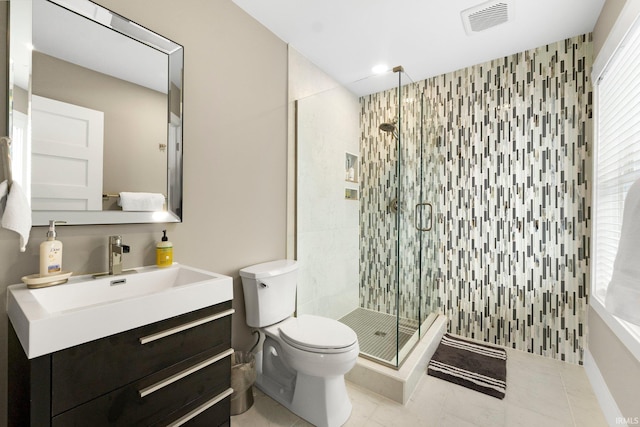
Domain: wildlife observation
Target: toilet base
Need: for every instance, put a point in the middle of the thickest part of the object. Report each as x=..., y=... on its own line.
x=322, y=401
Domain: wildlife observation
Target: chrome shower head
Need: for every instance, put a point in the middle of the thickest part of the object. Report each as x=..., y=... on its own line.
x=389, y=128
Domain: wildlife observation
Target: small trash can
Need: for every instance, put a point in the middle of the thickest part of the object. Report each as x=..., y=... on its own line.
x=243, y=376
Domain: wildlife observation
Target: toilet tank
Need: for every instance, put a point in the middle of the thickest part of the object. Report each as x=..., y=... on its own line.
x=269, y=291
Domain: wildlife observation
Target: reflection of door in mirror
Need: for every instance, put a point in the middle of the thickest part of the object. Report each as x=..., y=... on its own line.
x=67, y=156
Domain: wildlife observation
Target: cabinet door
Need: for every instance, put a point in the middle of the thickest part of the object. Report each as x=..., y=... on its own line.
x=84, y=372
x=29, y=388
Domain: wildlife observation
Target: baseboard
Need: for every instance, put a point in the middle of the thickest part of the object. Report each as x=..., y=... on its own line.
x=609, y=407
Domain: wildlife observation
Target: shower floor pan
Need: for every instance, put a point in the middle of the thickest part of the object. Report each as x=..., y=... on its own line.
x=377, y=335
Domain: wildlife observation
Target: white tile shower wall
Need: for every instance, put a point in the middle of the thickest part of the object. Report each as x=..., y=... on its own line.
x=327, y=225
x=506, y=154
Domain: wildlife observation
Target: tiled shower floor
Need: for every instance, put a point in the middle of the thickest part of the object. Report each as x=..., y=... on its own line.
x=377, y=333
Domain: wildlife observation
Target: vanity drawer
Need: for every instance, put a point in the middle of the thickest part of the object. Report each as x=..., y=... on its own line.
x=87, y=371
x=161, y=396
x=208, y=412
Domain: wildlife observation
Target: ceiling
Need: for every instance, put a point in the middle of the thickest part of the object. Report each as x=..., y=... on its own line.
x=56, y=30
x=346, y=38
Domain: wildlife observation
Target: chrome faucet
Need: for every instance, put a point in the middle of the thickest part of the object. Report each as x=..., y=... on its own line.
x=116, y=249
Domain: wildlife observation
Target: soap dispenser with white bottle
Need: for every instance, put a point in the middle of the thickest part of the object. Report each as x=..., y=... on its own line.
x=51, y=252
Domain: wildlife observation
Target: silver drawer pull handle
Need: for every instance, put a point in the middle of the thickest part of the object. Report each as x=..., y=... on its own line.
x=171, y=331
x=200, y=409
x=173, y=378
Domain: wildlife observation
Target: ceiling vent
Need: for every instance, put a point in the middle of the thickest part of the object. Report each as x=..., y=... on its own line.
x=486, y=15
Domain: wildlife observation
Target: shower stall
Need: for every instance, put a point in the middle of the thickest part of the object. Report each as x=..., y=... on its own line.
x=398, y=227
x=369, y=253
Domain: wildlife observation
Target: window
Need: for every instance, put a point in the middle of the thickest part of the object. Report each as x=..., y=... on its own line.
x=617, y=161
x=616, y=154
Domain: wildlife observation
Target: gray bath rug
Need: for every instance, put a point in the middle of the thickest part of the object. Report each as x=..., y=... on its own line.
x=480, y=367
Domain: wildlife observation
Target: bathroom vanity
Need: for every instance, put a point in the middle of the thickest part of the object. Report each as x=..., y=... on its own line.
x=168, y=372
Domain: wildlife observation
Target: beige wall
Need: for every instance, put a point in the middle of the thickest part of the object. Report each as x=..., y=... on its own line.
x=619, y=368
x=607, y=18
x=235, y=130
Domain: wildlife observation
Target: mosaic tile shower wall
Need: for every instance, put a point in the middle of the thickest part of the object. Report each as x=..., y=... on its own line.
x=382, y=194
x=502, y=150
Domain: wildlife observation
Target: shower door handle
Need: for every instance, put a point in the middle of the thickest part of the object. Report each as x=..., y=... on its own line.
x=418, y=227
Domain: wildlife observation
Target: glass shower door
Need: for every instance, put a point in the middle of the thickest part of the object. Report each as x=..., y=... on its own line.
x=411, y=217
x=430, y=180
x=395, y=213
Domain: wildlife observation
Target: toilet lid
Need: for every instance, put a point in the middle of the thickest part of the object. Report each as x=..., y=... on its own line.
x=317, y=332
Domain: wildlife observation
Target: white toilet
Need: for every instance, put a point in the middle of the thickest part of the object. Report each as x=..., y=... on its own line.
x=303, y=359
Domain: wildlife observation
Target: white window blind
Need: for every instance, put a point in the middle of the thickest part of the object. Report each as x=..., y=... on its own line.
x=617, y=163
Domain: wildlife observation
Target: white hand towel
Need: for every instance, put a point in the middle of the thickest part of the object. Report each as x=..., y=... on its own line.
x=623, y=293
x=17, y=214
x=4, y=190
x=141, y=201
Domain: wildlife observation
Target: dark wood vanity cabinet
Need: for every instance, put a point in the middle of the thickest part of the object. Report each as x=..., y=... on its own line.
x=170, y=373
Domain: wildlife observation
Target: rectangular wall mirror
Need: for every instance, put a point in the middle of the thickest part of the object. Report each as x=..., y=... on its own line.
x=95, y=110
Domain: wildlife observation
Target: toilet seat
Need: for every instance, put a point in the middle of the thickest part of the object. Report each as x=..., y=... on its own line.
x=317, y=334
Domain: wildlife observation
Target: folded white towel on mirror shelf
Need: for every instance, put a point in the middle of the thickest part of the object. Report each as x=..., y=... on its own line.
x=147, y=202
x=17, y=214
x=623, y=293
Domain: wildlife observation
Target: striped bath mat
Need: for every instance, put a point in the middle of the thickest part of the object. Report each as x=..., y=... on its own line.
x=480, y=367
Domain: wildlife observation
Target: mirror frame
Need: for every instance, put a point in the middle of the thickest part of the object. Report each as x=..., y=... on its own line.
x=174, y=185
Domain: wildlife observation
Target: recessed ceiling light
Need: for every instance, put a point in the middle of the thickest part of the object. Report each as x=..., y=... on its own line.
x=380, y=68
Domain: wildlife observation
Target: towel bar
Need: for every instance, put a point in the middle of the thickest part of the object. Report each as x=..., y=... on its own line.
x=115, y=196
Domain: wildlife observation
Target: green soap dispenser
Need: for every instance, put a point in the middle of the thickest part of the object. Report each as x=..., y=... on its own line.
x=164, y=251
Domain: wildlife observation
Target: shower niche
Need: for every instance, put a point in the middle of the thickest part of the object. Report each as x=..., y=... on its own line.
x=351, y=167
x=351, y=171
x=351, y=193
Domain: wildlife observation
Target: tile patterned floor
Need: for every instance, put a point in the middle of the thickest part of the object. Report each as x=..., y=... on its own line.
x=540, y=392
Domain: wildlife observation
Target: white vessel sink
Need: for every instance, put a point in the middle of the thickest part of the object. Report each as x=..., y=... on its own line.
x=87, y=308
